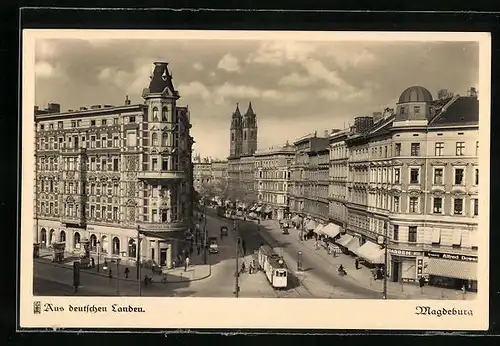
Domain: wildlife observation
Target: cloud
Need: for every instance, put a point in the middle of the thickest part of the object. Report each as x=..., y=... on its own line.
x=45, y=49
x=296, y=80
x=229, y=63
x=198, y=66
x=44, y=70
x=352, y=57
x=194, y=89
x=279, y=52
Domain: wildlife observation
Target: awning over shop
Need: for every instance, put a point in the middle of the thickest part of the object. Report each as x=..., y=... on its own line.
x=353, y=245
x=371, y=252
x=310, y=225
x=318, y=228
x=295, y=219
x=253, y=208
x=268, y=209
x=331, y=230
x=452, y=269
x=344, y=240
x=259, y=208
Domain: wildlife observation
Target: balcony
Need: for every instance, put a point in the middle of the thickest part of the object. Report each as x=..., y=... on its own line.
x=161, y=175
x=162, y=226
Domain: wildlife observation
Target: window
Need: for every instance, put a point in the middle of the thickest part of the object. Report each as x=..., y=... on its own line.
x=438, y=176
x=42, y=126
x=115, y=121
x=60, y=124
x=459, y=176
x=92, y=211
x=402, y=110
x=92, y=122
x=412, y=234
x=92, y=141
x=154, y=137
x=155, y=164
x=413, y=204
x=397, y=149
x=397, y=172
x=438, y=205
x=131, y=119
x=164, y=139
x=416, y=109
x=415, y=149
x=458, y=206
x=115, y=213
x=115, y=164
x=155, y=114
x=73, y=123
x=395, y=235
x=414, y=175
x=439, y=149
x=115, y=189
x=103, y=141
x=103, y=165
x=115, y=141
x=476, y=177
x=104, y=122
x=476, y=206
x=396, y=204
x=164, y=163
x=131, y=139
x=164, y=114
x=460, y=148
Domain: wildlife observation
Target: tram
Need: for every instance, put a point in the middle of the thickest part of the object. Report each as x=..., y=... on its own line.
x=273, y=266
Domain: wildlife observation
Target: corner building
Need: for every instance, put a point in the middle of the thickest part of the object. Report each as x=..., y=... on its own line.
x=104, y=172
x=413, y=177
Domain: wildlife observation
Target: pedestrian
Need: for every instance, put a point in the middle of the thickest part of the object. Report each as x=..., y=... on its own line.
x=186, y=264
x=356, y=263
x=244, y=246
x=93, y=262
x=110, y=275
x=199, y=249
x=126, y=273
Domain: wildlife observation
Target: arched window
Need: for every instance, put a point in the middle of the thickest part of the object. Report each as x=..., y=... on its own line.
x=132, y=248
x=164, y=114
x=76, y=238
x=93, y=242
x=116, y=246
x=155, y=114
x=154, y=136
x=104, y=244
x=43, y=236
x=62, y=237
x=164, y=139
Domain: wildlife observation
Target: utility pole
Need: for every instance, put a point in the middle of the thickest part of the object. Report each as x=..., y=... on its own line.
x=205, y=235
x=138, y=250
x=237, y=273
x=385, y=260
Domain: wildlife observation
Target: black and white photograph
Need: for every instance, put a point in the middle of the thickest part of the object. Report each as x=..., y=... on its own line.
x=325, y=170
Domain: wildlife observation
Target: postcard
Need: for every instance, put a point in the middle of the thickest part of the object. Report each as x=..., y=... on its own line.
x=255, y=179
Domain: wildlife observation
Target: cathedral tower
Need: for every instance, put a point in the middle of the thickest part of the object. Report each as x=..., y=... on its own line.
x=249, y=132
x=236, y=133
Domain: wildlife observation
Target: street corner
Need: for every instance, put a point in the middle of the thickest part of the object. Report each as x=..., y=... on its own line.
x=193, y=273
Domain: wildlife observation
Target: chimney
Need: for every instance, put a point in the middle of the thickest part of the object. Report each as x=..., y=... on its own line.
x=95, y=106
x=127, y=101
x=473, y=92
x=83, y=108
x=315, y=134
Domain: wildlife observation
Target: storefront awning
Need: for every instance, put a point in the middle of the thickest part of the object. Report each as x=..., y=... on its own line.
x=259, y=209
x=344, y=240
x=331, y=230
x=318, y=228
x=295, y=219
x=268, y=209
x=353, y=245
x=452, y=269
x=310, y=225
x=371, y=252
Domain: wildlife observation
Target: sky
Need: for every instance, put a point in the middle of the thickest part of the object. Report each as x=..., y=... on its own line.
x=296, y=87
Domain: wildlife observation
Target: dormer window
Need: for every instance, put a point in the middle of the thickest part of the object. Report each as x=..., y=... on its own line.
x=402, y=110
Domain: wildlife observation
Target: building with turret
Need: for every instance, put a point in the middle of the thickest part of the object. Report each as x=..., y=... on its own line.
x=243, y=145
x=104, y=172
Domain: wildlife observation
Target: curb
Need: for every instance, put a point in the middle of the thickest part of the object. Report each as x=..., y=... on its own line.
x=124, y=279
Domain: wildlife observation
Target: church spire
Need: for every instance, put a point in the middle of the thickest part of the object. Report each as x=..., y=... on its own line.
x=237, y=112
x=250, y=109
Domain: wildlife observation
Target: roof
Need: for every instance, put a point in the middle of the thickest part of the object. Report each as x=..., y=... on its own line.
x=463, y=111
x=415, y=94
x=161, y=79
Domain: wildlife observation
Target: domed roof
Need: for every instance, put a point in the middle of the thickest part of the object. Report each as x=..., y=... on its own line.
x=415, y=94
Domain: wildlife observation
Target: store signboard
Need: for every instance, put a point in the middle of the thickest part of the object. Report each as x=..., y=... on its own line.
x=449, y=256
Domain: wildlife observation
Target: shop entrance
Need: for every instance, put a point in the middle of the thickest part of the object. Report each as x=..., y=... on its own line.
x=163, y=257
x=396, y=269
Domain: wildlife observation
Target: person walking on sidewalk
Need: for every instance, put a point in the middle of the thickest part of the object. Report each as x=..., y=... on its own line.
x=93, y=262
x=186, y=263
x=110, y=274
x=126, y=273
x=244, y=247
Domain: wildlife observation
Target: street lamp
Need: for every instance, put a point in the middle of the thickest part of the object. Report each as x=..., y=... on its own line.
x=382, y=240
x=98, y=255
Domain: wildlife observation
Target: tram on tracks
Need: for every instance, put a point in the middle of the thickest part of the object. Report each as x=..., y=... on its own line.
x=273, y=265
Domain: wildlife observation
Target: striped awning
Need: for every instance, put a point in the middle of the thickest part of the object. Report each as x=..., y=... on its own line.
x=452, y=269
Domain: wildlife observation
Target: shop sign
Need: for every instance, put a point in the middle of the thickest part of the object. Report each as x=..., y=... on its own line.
x=420, y=262
x=398, y=252
x=450, y=256
x=408, y=280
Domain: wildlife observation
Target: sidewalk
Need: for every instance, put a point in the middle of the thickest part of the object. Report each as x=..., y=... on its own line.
x=363, y=276
x=197, y=270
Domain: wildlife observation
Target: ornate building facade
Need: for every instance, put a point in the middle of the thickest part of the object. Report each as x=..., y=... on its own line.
x=338, y=175
x=243, y=145
x=210, y=177
x=272, y=176
x=413, y=178
x=104, y=172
